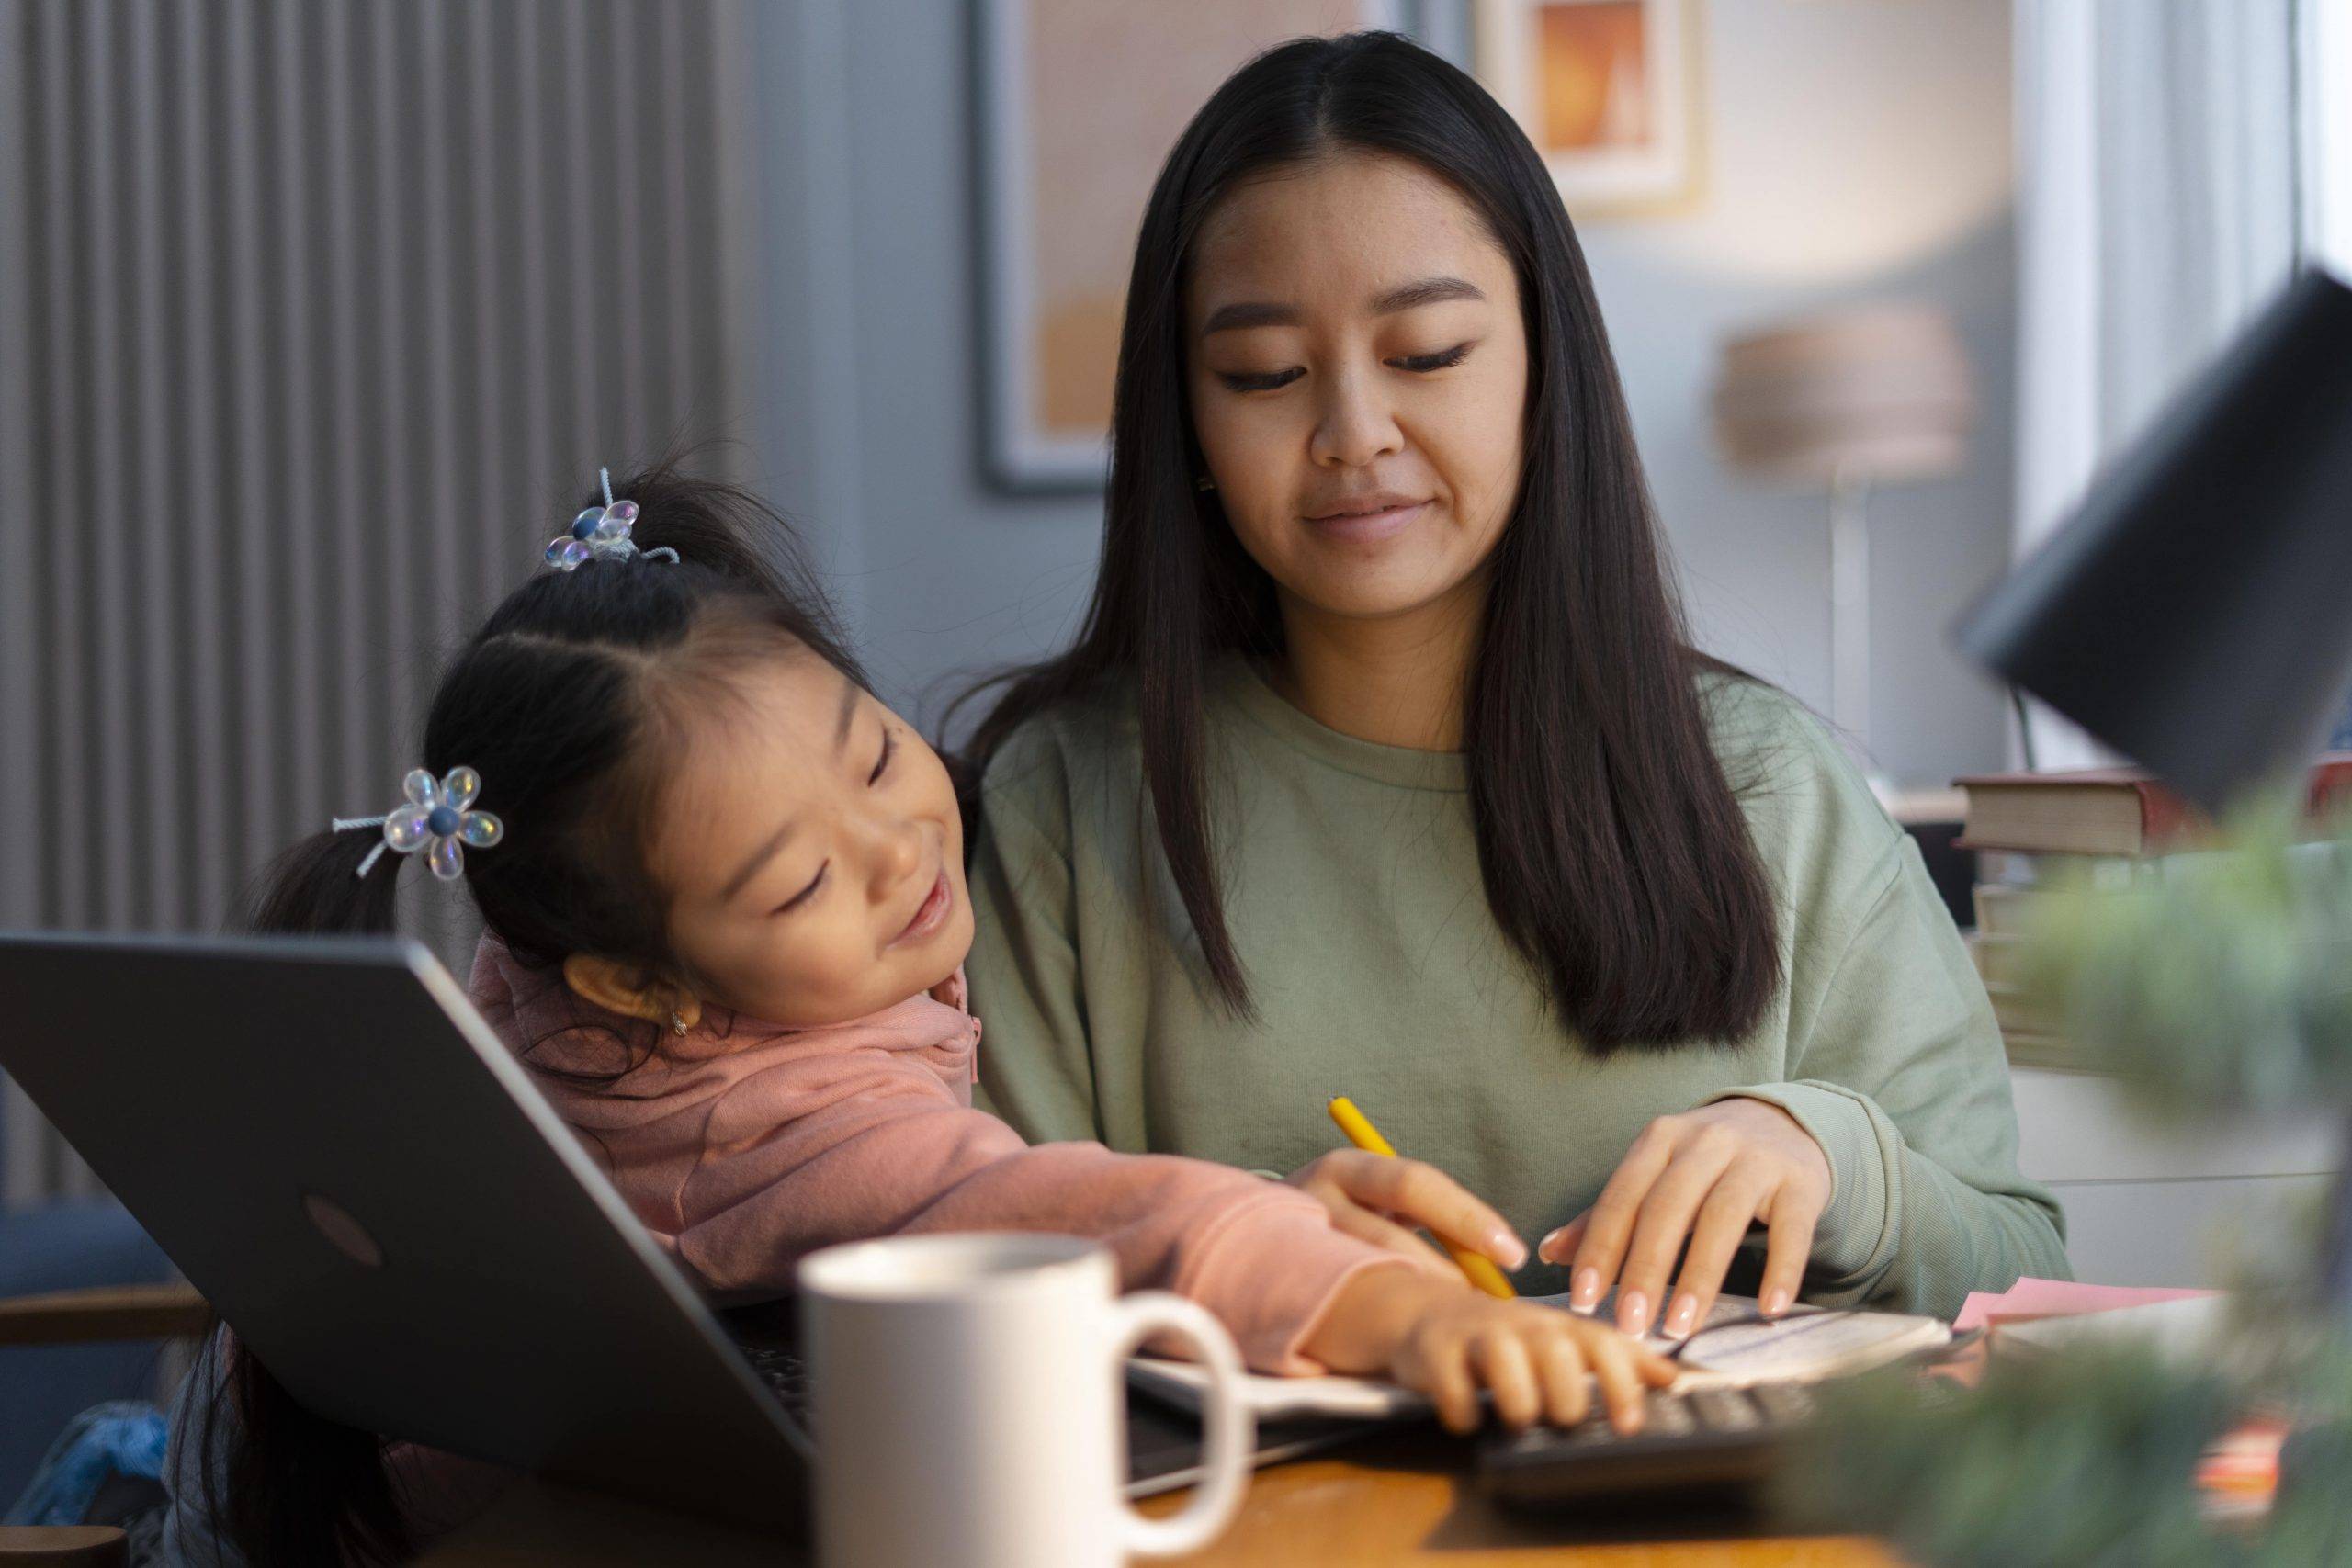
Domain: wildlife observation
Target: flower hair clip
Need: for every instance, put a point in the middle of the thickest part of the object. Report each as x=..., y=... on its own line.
x=436, y=820
x=600, y=533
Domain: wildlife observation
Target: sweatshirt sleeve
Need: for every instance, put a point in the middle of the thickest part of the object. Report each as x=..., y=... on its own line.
x=846, y=1144
x=1038, y=1071
x=1900, y=1075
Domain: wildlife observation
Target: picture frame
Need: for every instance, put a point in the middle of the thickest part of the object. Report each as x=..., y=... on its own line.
x=1076, y=107
x=1607, y=90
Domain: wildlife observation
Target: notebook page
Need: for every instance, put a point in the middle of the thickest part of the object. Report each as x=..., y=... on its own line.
x=1735, y=1346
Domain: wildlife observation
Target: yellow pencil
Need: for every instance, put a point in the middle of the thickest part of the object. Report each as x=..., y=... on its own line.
x=1479, y=1270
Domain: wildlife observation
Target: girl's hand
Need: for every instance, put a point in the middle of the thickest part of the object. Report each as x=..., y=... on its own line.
x=1447, y=1340
x=1381, y=1199
x=1703, y=1177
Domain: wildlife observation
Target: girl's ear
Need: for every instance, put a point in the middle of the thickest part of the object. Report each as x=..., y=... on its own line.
x=622, y=988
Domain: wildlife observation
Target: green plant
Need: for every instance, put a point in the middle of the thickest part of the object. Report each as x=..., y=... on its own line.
x=2082, y=1461
x=2085, y=1461
x=2225, y=980
x=2220, y=981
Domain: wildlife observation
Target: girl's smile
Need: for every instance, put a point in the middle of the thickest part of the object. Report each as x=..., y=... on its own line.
x=931, y=914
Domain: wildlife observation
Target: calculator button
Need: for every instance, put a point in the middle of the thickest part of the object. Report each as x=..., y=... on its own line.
x=1725, y=1410
x=1667, y=1416
x=1589, y=1433
x=1785, y=1401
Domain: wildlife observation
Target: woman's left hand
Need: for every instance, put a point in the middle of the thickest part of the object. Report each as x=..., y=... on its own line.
x=1704, y=1176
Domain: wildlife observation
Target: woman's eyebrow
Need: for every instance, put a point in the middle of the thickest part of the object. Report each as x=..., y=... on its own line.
x=1247, y=313
x=1424, y=291
x=1250, y=313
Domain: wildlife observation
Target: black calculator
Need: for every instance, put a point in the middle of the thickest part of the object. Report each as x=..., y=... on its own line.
x=1704, y=1439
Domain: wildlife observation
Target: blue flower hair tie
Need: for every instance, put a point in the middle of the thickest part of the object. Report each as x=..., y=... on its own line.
x=600, y=533
x=436, y=820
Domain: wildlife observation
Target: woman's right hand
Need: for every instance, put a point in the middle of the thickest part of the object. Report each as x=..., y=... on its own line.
x=1380, y=1200
x=1447, y=1340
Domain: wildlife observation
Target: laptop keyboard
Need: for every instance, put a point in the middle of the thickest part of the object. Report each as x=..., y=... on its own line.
x=1163, y=1444
x=784, y=1373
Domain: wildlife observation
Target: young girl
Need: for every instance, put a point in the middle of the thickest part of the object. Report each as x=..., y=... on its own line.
x=726, y=922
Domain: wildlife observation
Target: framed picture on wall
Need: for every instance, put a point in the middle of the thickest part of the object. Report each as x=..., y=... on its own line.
x=1607, y=90
x=1078, y=103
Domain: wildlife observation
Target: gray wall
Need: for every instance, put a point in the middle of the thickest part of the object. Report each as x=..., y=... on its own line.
x=1855, y=149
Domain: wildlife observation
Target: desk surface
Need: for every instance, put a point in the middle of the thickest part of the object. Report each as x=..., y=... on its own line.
x=1393, y=1506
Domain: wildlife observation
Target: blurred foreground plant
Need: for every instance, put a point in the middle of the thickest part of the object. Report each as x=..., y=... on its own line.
x=2085, y=1461
x=2223, y=981
x=2213, y=983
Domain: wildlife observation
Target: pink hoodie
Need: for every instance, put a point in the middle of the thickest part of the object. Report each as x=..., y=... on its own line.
x=744, y=1146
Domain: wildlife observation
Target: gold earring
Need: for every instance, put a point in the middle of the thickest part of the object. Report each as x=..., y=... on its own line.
x=1205, y=483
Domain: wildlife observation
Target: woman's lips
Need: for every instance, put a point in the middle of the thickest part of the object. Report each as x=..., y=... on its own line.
x=1369, y=528
x=932, y=915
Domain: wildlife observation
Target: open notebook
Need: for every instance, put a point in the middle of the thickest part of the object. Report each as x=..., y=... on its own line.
x=1733, y=1348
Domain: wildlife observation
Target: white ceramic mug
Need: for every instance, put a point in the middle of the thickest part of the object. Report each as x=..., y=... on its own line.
x=970, y=1399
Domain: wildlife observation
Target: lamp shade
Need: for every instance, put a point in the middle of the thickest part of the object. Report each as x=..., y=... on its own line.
x=2195, y=612
x=1879, y=393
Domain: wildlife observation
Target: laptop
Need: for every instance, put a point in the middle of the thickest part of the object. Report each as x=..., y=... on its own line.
x=336, y=1150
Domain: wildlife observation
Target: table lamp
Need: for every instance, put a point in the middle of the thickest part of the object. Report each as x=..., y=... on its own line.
x=1875, y=395
x=2195, y=612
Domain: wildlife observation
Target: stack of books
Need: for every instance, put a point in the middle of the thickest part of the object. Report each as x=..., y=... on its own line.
x=2119, y=822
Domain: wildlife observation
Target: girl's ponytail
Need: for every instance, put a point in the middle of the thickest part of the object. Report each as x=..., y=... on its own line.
x=289, y=1487
x=315, y=887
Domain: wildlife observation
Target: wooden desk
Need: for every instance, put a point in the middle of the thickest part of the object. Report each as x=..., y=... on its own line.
x=1377, y=1506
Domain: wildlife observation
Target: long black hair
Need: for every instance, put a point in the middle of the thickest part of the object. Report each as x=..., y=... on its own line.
x=565, y=702
x=1612, y=847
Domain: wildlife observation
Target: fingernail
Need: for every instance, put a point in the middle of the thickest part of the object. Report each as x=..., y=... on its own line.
x=1776, y=1300
x=1544, y=1247
x=1506, y=1249
x=1678, y=1321
x=1584, y=1295
x=1633, y=1313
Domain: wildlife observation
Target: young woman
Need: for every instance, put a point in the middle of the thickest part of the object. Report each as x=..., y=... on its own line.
x=1382, y=765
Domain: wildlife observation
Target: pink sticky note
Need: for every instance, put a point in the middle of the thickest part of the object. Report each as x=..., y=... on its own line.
x=2059, y=1298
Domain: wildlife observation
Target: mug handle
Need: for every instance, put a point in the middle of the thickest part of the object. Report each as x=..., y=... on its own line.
x=1229, y=1430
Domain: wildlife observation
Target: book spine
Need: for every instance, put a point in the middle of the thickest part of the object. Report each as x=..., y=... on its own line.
x=2330, y=791
x=2165, y=819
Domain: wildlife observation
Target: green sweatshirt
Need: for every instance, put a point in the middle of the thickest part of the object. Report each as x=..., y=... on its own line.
x=1351, y=887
